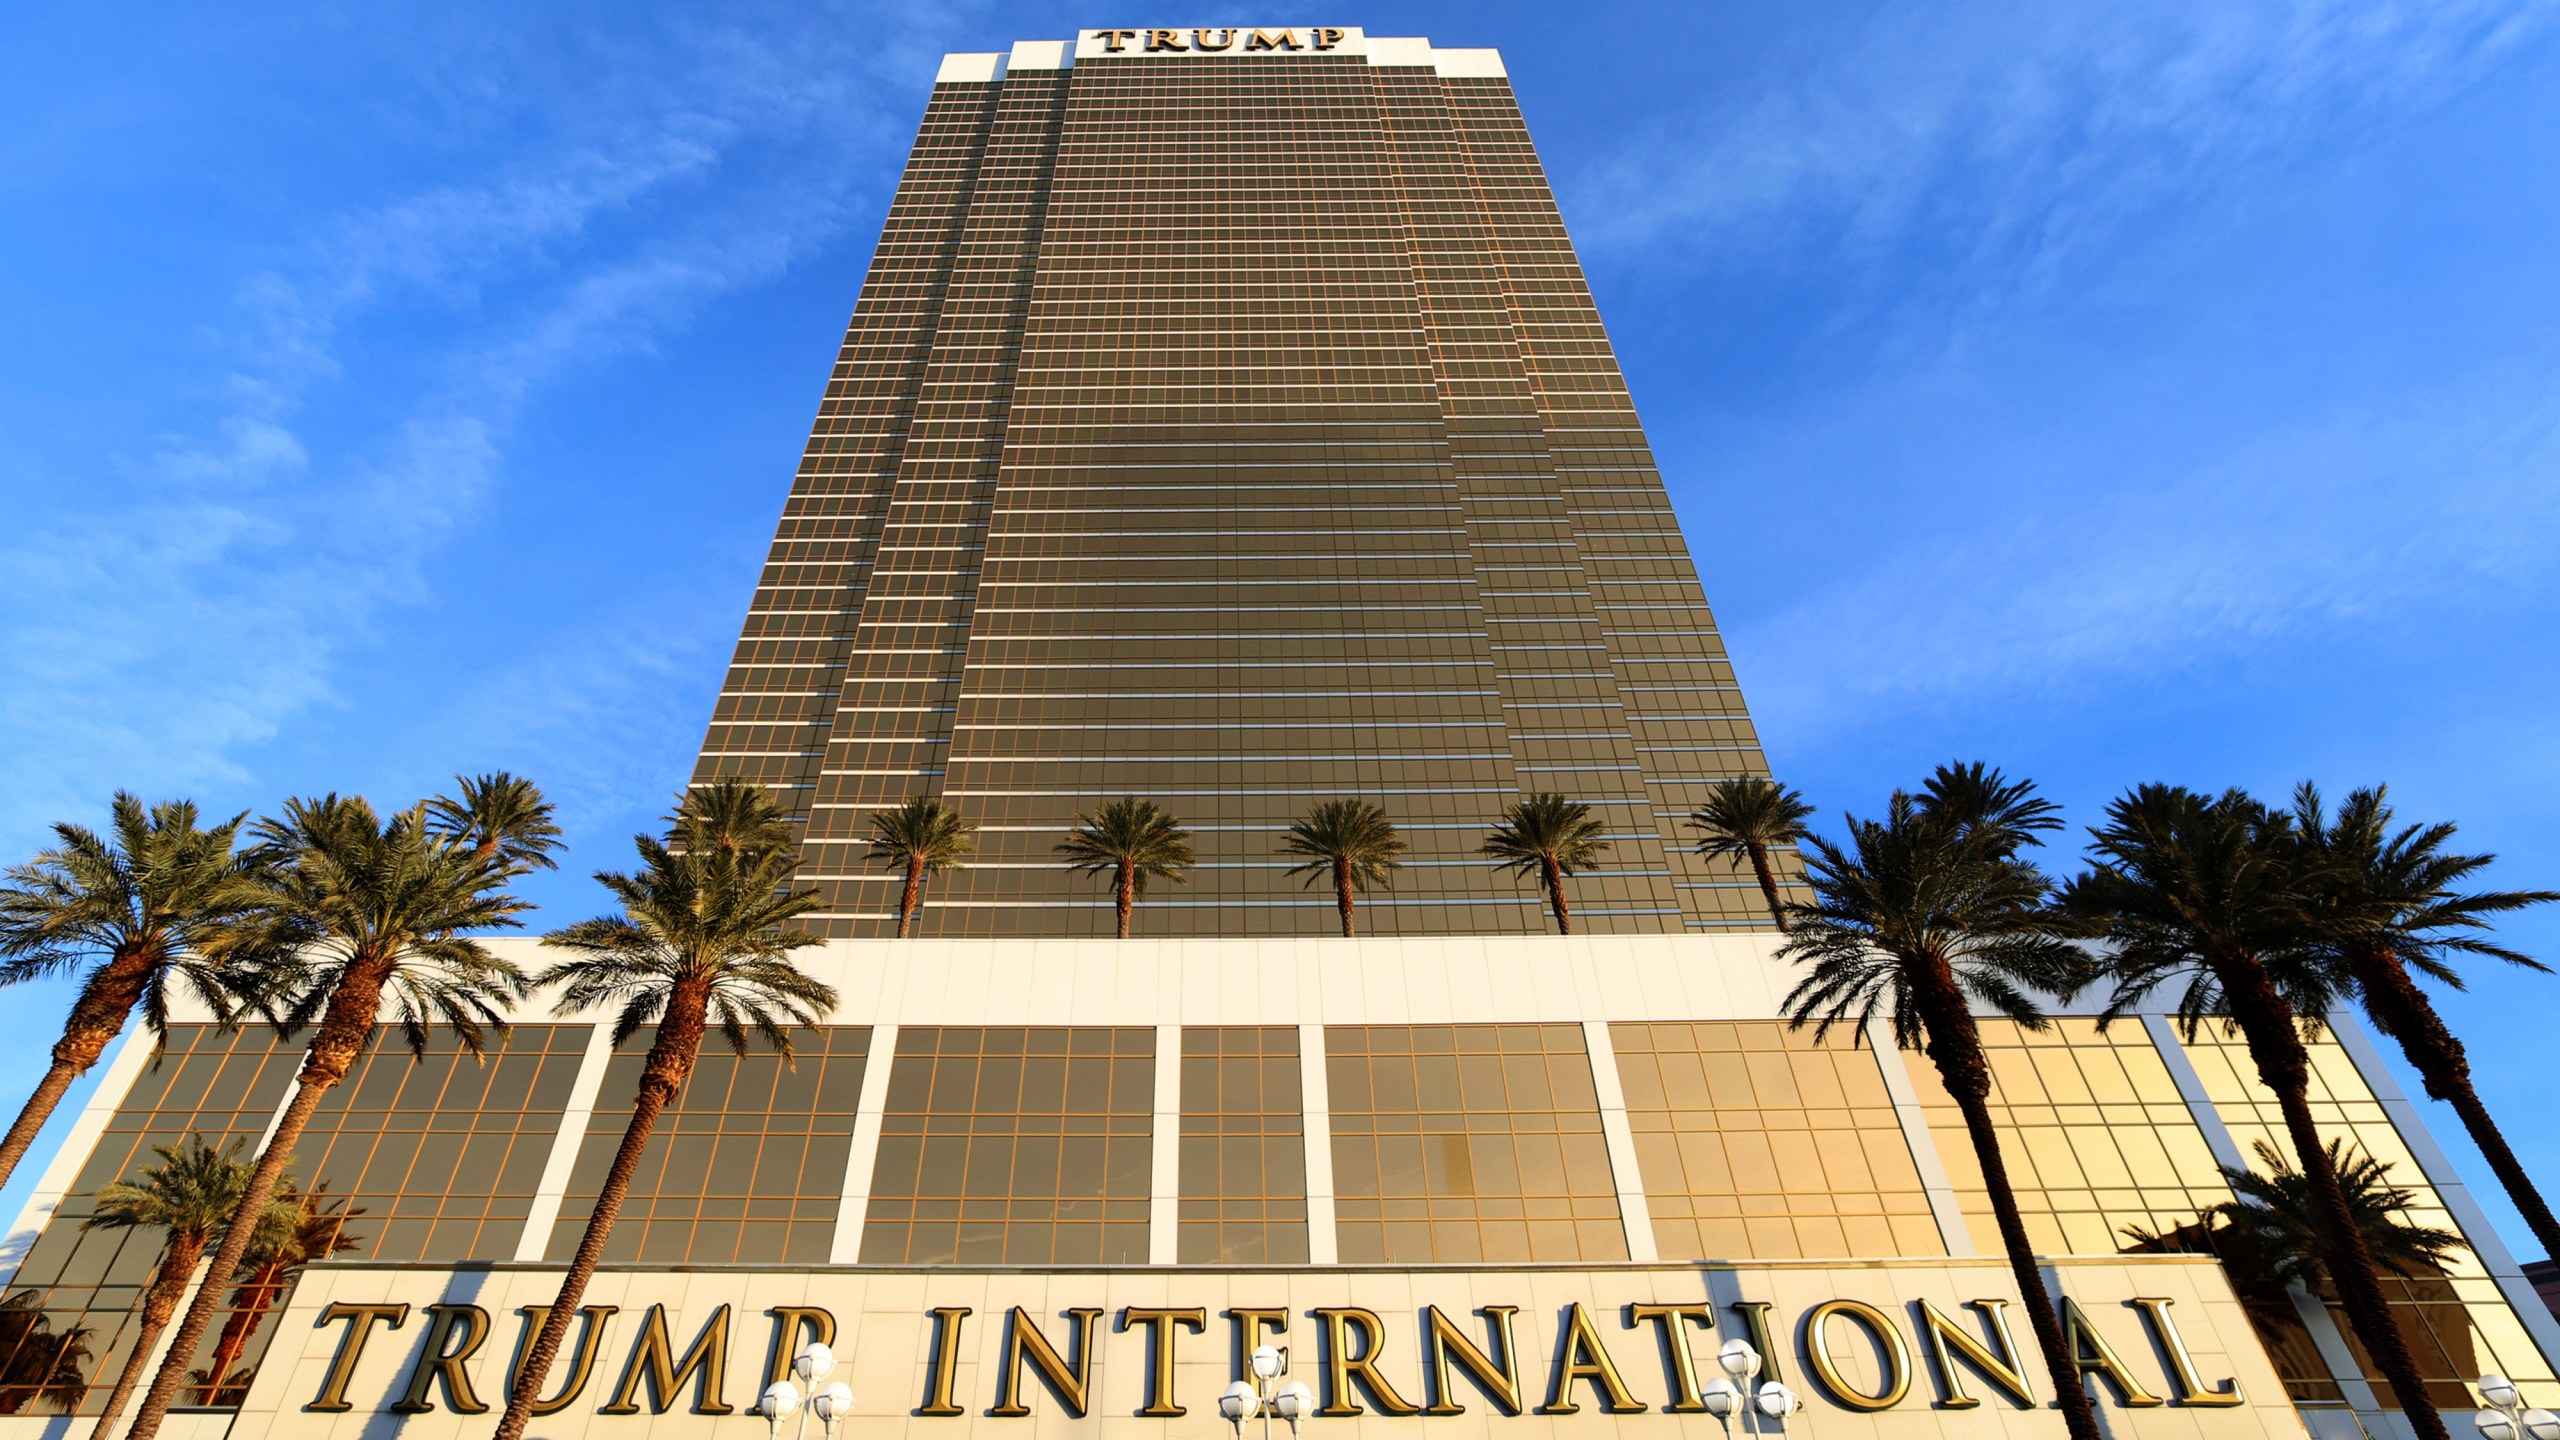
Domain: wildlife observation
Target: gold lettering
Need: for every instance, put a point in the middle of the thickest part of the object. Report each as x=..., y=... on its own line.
x=1344, y=1367
x=705, y=1362
x=1678, y=1365
x=1272, y=40
x=1161, y=1333
x=440, y=1359
x=332, y=1399
x=1443, y=1340
x=582, y=1365
x=1164, y=40
x=1248, y=1325
x=1200, y=39
x=790, y=1322
x=1023, y=1341
x=1581, y=1356
x=1891, y=1356
x=1755, y=1319
x=1938, y=1332
x=1326, y=39
x=2182, y=1366
x=1114, y=41
x=2090, y=1351
x=946, y=1361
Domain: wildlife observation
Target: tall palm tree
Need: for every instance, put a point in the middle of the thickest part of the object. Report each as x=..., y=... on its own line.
x=1350, y=842
x=502, y=816
x=704, y=939
x=2218, y=893
x=732, y=815
x=1981, y=803
x=318, y=1230
x=133, y=906
x=192, y=1194
x=1130, y=839
x=1550, y=837
x=2391, y=901
x=1917, y=920
x=359, y=913
x=923, y=837
x=1744, y=819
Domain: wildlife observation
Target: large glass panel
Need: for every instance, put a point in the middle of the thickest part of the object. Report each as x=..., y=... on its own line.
x=1754, y=1141
x=1460, y=1143
x=747, y=1167
x=1014, y=1145
x=1244, y=1146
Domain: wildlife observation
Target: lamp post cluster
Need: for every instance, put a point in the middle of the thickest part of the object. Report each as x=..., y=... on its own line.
x=1265, y=1396
x=1731, y=1393
x=2507, y=1418
x=782, y=1399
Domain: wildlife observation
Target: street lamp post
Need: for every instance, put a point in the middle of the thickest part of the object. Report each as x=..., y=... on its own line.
x=782, y=1399
x=2507, y=1418
x=1265, y=1396
x=1725, y=1397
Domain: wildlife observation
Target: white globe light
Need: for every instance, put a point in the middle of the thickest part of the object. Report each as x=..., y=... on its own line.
x=1777, y=1401
x=1722, y=1400
x=2494, y=1425
x=1238, y=1401
x=1738, y=1358
x=1295, y=1400
x=833, y=1403
x=1267, y=1361
x=780, y=1398
x=2499, y=1391
x=2541, y=1425
x=814, y=1362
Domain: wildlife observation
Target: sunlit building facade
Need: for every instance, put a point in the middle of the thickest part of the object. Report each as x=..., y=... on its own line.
x=1225, y=421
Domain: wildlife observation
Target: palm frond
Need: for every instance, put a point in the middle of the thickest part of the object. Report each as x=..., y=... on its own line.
x=1353, y=833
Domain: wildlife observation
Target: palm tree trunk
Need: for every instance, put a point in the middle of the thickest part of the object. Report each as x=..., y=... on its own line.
x=1768, y=883
x=670, y=1060
x=2401, y=1010
x=167, y=1288
x=1124, y=894
x=2284, y=1067
x=345, y=1028
x=914, y=891
x=95, y=1021
x=1955, y=1047
x=1342, y=893
x=1554, y=875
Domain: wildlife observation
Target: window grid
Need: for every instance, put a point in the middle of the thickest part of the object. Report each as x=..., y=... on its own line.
x=1244, y=1149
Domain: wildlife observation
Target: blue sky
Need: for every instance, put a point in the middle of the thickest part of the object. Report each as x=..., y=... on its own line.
x=2155, y=392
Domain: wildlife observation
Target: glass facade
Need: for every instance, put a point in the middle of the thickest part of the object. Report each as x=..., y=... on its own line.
x=1244, y=1147
x=1456, y=1143
x=1756, y=1142
x=1014, y=1146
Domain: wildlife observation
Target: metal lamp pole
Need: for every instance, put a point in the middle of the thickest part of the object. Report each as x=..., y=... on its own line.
x=782, y=1399
x=1265, y=1396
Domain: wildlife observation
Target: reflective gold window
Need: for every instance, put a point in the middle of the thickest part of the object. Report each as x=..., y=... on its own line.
x=1244, y=1147
x=2458, y=1323
x=1014, y=1146
x=746, y=1167
x=1755, y=1141
x=1457, y=1143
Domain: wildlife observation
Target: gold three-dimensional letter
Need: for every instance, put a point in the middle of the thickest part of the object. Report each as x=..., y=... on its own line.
x=441, y=1357
x=1023, y=1341
x=360, y=1319
x=2190, y=1386
x=2091, y=1352
x=705, y=1362
x=1497, y=1375
x=1163, y=1326
x=1345, y=1366
x=946, y=1361
x=582, y=1363
x=1581, y=1356
x=1679, y=1367
x=1891, y=1354
x=1938, y=1332
x=1272, y=40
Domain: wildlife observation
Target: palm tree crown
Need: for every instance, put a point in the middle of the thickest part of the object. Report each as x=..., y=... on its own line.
x=1351, y=843
x=1131, y=840
x=1550, y=837
x=922, y=837
x=501, y=816
x=2276, y=1222
x=1745, y=818
x=732, y=815
x=136, y=908
x=1983, y=804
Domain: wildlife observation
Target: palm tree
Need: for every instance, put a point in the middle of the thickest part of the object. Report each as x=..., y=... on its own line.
x=133, y=906
x=192, y=1193
x=1920, y=918
x=924, y=837
x=704, y=938
x=1131, y=839
x=36, y=1363
x=502, y=816
x=733, y=815
x=1744, y=819
x=2276, y=1221
x=2390, y=902
x=2220, y=893
x=359, y=913
x=318, y=1230
x=1550, y=837
x=1350, y=842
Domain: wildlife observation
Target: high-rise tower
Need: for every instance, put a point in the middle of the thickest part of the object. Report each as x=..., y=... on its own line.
x=1225, y=420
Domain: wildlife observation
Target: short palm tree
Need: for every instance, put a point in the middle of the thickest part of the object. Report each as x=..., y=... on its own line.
x=36, y=1362
x=2390, y=902
x=1130, y=840
x=2276, y=1221
x=1350, y=842
x=1745, y=818
x=734, y=815
x=2218, y=893
x=502, y=816
x=1550, y=837
x=317, y=1230
x=133, y=907
x=359, y=914
x=922, y=837
x=704, y=940
x=1916, y=921
x=192, y=1194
